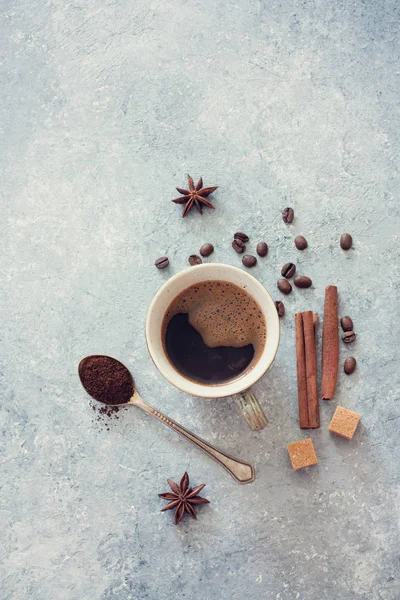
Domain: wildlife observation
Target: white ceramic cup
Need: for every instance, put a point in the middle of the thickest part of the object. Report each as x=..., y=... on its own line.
x=173, y=287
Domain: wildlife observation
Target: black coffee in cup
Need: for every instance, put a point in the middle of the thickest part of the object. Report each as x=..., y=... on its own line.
x=213, y=331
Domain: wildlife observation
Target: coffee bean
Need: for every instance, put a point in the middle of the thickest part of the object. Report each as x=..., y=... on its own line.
x=348, y=337
x=284, y=286
x=302, y=281
x=194, y=260
x=349, y=365
x=280, y=307
x=288, y=215
x=162, y=262
x=300, y=242
x=346, y=323
x=262, y=249
x=249, y=261
x=346, y=241
x=206, y=249
x=288, y=270
x=238, y=245
x=239, y=235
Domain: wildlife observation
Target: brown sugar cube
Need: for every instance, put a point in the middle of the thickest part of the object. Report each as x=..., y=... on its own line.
x=302, y=454
x=344, y=422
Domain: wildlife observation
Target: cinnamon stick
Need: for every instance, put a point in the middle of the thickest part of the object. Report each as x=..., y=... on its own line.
x=301, y=372
x=315, y=321
x=311, y=369
x=330, y=343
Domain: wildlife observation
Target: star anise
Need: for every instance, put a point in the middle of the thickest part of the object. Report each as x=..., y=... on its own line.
x=183, y=498
x=195, y=195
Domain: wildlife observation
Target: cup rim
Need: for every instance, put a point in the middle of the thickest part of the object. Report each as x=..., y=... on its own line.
x=234, y=386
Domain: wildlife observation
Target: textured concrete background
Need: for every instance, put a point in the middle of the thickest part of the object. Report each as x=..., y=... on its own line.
x=105, y=105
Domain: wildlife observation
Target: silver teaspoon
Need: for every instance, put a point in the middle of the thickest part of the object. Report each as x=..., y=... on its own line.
x=97, y=375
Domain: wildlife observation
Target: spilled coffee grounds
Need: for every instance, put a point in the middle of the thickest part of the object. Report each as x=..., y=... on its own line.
x=104, y=415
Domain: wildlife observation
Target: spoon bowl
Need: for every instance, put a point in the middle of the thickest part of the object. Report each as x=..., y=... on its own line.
x=107, y=380
x=104, y=378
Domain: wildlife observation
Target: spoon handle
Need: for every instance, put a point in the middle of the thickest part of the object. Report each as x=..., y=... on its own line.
x=241, y=471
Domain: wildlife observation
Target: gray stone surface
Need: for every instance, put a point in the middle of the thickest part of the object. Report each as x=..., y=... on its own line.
x=105, y=106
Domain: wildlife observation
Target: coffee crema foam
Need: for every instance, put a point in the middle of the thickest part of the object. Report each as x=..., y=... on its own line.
x=223, y=313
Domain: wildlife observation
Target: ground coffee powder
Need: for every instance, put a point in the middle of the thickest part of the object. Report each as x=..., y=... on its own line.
x=106, y=379
x=104, y=415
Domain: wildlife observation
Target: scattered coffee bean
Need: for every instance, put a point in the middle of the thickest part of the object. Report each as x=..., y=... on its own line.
x=249, y=261
x=349, y=365
x=162, y=262
x=348, y=337
x=206, y=249
x=288, y=215
x=284, y=286
x=262, y=249
x=288, y=270
x=239, y=235
x=346, y=241
x=280, y=307
x=194, y=260
x=302, y=281
x=346, y=323
x=238, y=245
x=300, y=242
